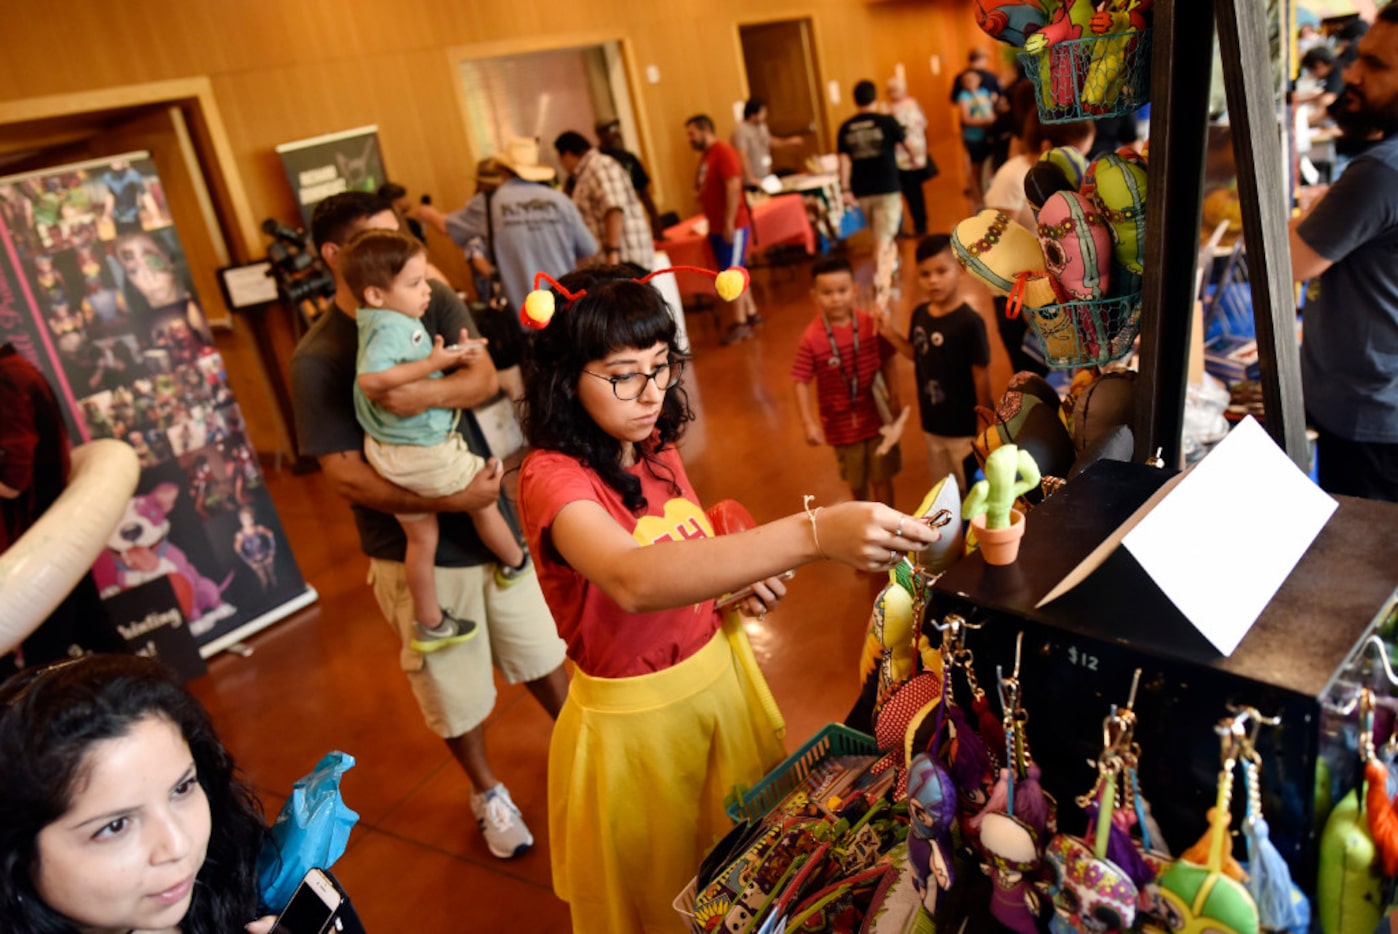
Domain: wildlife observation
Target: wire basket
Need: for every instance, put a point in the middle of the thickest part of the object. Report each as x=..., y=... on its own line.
x=834, y=739
x=1091, y=333
x=1087, y=79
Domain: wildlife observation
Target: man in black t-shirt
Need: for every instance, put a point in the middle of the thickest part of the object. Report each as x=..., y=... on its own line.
x=868, y=146
x=454, y=687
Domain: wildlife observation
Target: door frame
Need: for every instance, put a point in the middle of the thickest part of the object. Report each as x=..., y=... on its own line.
x=523, y=45
x=228, y=215
x=818, y=91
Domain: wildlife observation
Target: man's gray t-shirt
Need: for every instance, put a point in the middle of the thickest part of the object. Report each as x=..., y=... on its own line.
x=1349, y=357
x=754, y=141
x=536, y=229
x=322, y=393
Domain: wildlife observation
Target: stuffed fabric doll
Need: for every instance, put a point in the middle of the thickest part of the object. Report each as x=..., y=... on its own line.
x=999, y=252
x=1120, y=195
x=1011, y=21
x=1077, y=245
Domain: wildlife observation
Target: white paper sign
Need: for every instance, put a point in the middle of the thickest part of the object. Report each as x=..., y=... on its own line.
x=1221, y=543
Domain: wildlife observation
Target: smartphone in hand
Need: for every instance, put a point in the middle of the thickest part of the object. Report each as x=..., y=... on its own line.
x=722, y=603
x=312, y=907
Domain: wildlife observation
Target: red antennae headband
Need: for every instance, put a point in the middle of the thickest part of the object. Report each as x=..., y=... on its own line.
x=539, y=305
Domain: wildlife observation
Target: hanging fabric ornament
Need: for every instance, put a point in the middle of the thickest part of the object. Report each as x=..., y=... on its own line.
x=1349, y=891
x=1280, y=906
x=1015, y=823
x=1200, y=897
x=931, y=815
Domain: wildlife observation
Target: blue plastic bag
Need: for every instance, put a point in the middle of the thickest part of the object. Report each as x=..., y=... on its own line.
x=310, y=832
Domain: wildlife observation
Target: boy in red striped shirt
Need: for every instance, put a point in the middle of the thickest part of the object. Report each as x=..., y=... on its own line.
x=843, y=353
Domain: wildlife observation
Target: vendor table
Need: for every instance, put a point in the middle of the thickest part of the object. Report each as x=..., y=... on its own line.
x=778, y=221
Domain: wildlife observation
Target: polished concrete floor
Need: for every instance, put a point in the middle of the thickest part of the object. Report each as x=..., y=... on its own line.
x=328, y=677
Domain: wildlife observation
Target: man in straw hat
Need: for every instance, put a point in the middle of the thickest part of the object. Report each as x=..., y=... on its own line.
x=530, y=226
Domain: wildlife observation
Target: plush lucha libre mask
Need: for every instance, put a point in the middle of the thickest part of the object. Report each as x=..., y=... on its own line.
x=1077, y=245
x=1091, y=894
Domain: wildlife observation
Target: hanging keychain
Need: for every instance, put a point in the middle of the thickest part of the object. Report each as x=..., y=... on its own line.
x=1016, y=821
x=1280, y=905
x=1205, y=894
x=1349, y=892
x=1096, y=885
x=970, y=756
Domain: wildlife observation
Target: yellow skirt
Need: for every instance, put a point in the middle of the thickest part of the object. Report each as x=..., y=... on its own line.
x=638, y=768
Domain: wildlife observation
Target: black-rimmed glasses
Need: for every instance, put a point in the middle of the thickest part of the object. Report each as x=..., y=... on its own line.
x=628, y=386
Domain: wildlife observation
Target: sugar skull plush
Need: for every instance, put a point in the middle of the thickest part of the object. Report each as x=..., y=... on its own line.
x=998, y=252
x=1120, y=196
x=1013, y=851
x=1077, y=245
x=1010, y=21
x=1089, y=894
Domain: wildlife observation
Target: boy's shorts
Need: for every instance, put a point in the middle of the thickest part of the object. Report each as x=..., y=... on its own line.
x=454, y=687
x=860, y=466
x=428, y=470
x=883, y=213
x=728, y=255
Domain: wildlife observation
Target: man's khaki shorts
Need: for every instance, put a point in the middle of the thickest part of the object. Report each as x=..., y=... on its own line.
x=455, y=686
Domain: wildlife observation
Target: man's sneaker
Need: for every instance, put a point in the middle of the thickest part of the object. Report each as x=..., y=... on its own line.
x=450, y=631
x=736, y=332
x=506, y=576
x=501, y=823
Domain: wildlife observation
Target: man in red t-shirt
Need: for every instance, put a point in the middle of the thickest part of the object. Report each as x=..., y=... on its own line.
x=719, y=185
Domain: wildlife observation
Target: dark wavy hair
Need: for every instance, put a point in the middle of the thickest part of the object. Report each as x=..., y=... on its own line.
x=617, y=313
x=49, y=719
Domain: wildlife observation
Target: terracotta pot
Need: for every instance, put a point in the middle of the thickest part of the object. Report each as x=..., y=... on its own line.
x=999, y=546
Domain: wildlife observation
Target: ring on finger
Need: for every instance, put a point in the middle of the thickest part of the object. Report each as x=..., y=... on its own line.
x=898, y=532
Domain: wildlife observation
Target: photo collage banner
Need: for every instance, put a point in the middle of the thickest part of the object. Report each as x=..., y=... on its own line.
x=95, y=291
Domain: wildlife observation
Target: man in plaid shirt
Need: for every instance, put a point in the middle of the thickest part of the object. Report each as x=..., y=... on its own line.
x=604, y=196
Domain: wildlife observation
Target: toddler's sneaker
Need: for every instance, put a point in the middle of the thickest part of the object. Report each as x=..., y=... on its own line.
x=450, y=631
x=501, y=823
x=506, y=576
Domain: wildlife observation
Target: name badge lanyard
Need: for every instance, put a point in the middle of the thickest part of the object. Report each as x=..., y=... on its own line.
x=852, y=376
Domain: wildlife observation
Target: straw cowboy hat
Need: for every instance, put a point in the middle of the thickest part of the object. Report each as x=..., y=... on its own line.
x=521, y=157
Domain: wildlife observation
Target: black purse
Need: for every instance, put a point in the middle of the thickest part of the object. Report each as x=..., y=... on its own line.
x=494, y=318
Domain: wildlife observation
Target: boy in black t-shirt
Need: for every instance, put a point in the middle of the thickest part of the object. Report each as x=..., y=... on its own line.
x=947, y=343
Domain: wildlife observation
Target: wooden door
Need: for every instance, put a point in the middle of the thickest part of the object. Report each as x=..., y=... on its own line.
x=781, y=70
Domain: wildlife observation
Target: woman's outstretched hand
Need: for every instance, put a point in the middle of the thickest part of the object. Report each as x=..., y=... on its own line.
x=870, y=536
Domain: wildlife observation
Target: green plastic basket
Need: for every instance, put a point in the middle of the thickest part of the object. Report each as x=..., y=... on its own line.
x=1078, y=334
x=1087, y=79
x=834, y=739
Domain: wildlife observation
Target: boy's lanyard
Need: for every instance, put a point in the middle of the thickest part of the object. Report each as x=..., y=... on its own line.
x=852, y=378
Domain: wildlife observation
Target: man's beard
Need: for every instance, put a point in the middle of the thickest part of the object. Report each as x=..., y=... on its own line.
x=1356, y=118
x=698, y=145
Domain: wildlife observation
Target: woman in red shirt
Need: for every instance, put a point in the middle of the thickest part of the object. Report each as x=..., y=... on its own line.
x=662, y=718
